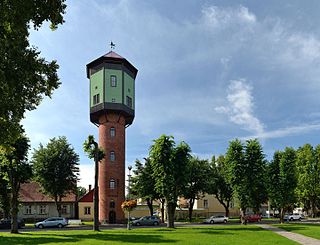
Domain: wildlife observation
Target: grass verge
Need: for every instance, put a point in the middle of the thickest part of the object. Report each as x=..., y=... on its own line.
x=240, y=235
x=310, y=230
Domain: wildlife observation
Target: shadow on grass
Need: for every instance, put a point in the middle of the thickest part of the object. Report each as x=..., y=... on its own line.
x=295, y=227
x=34, y=238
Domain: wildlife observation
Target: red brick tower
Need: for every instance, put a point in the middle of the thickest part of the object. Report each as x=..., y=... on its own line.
x=112, y=91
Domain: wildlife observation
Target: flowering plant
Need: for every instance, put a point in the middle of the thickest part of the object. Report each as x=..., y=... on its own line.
x=129, y=205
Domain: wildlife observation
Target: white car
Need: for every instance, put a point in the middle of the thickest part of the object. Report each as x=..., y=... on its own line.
x=292, y=217
x=52, y=222
x=217, y=219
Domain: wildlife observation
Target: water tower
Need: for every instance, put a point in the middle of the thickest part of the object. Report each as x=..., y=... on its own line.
x=112, y=102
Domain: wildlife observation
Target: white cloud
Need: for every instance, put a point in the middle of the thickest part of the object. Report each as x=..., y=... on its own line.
x=86, y=175
x=240, y=107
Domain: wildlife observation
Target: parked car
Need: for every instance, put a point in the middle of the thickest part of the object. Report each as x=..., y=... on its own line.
x=253, y=218
x=147, y=220
x=216, y=219
x=292, y=217
x=6, y=223
x=52, y=222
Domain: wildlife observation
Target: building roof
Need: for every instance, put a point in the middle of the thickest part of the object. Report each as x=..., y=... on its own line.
x=31, y=192
x=88, y=197
x=112, y=57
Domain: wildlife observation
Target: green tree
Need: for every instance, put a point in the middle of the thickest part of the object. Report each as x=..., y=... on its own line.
x=90, y=146
x=4, y=194
x=25, y=77
x=169, y=164
x=17, y=171
x=218, y=184
x=237, y=175
x=143, y=183
x=282, y=180
x=256, y=172
x=56, y=169
x=197, y=177
x=308, y=169
x=81, y=191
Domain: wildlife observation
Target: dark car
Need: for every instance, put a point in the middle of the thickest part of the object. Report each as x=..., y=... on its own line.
x=147, y=220
x=253, y=218
x=6, y=223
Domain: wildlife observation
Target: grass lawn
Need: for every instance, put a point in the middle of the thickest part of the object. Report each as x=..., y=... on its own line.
x=311, y=230
x=231, y=234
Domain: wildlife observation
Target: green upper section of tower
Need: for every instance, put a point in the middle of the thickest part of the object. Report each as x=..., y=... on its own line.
x=112, y=86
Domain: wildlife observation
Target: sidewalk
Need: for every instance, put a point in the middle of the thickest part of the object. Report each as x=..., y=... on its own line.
x=292, y=236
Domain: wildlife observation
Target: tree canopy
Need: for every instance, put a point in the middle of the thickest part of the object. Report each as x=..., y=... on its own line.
x=56, y=169
x=25, y=77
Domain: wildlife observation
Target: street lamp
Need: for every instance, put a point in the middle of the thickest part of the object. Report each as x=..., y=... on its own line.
x=129, y=178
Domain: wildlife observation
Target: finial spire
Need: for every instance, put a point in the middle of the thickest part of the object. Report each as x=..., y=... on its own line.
x=112, y=45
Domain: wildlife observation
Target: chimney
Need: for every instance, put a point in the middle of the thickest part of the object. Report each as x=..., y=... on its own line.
x=89, y=188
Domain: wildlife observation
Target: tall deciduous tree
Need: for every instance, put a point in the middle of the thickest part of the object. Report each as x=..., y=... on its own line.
x=282, y=180
x=197, y=178
x=90, y=146
x=4, y=193
x=25, y=77
x=218, y=184
x=17, y=171
x=169, y=164
x=143, y=183
x=308, y=169
x=256, y=169
x=237, y=175
x=56, y=169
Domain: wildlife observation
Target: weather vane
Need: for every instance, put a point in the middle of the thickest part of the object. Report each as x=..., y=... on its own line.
x=112, y=45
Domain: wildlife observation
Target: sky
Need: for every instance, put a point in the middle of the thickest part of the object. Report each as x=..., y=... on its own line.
x=209, y=72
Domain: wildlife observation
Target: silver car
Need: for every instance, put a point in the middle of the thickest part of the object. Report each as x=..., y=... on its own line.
x=52, y=222
x=217, y=219
x=147, y=220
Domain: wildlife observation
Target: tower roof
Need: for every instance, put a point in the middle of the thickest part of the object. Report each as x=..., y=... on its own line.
x=111, y=57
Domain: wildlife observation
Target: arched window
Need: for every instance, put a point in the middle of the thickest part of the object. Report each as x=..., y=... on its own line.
x=112, y=204
x=112, y=184
x=112, y=156
x=112, y=132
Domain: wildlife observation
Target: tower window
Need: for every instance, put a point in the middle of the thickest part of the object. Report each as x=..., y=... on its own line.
x=112, y=204
x=113, y=81
x=129, y=101
x=112, y=132
x=112, y=156
x=112, y=184
x=96, y=99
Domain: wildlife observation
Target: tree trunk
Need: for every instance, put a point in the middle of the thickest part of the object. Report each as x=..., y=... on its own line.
x=58, y=205
x=170, y=214
x=243, y=216
x=96, y=194
x=281, y=215
x=313, y=209
x=225, y=205
x=191, y=204
x=150, y=205
x=162, y=209
x=14, y=212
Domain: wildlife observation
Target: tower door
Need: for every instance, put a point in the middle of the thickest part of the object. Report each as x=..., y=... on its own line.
x=112, y=217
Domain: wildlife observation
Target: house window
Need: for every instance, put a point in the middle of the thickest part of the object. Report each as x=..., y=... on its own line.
x=113, y=100
x=96, y=99
x=113, y=81
x=112, y=156
x=129, y=101
x=43, y=209
x=112, y=132
x=112, y=204
x=28, y=209
x=64, y=209
x=205, y=204
x=87, y=210
x=112, y=184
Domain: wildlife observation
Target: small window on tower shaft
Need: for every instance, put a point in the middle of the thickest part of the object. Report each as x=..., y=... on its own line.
x=112, y=132
x=112, y=204
x=112, y=156
x=112, y=184
x=96, y=99
x=113, y=81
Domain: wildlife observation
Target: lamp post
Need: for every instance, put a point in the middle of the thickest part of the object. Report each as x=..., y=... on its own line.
x=129, y=178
